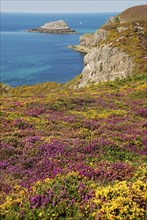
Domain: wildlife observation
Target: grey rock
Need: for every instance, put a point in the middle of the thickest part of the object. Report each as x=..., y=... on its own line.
x=120, y=38
x=86, y=40
x=113, y=19
x=120, y=29
x=90, y=40
x=54, y=27
x=103, y=64
x=100, y=35
x=79, y=48
x=137, y=23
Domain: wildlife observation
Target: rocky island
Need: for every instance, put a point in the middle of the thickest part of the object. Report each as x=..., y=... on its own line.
x=58, y=27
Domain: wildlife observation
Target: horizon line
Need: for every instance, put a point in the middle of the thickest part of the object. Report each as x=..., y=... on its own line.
x=61, y=12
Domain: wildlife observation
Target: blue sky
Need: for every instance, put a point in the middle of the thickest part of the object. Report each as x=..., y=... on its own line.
x=68, y=5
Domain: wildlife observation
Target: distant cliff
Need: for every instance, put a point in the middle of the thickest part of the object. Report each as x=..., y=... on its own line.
x=59, y=27
x=116, y=50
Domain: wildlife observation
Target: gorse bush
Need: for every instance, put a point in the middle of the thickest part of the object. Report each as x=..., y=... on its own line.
x=72, y=196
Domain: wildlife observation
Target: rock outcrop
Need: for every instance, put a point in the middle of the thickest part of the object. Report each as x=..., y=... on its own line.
x=59, y=27
x=110, y=53
x=86, y=40
x=90, y=40
x=103, y=64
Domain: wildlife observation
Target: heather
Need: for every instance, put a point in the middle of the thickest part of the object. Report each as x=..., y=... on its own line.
x=74, y=154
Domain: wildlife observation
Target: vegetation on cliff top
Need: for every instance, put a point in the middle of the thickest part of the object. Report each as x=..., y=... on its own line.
x=136, y=13
x=132, y=40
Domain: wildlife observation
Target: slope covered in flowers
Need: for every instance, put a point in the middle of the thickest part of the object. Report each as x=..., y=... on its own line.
x=74, y=154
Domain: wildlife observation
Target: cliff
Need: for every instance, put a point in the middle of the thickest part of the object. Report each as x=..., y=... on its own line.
x=116, y=50
x=105, y=64
x=59, y=27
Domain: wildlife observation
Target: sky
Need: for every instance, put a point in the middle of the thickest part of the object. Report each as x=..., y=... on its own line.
x=48, y=6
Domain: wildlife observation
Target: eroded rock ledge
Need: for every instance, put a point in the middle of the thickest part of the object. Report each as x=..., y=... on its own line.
x=59, y=27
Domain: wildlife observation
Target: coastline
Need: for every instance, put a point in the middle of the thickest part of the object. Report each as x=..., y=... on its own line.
x=79, y=48
x=42, y=48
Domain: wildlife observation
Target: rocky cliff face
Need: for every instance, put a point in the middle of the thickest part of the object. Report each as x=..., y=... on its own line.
x=105, y=64
x=111, y=52
x=103, y=61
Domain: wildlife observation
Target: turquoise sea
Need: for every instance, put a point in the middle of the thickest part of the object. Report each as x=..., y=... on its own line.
x=30, y=58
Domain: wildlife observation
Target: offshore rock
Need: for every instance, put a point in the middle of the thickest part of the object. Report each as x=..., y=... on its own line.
x=58, y=27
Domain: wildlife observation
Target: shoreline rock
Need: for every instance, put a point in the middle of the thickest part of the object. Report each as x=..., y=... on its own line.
x=89, y=40
x=79, y=48
x=55, y=27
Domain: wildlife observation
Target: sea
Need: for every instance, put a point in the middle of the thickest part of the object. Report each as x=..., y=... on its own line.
x=31, y=58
